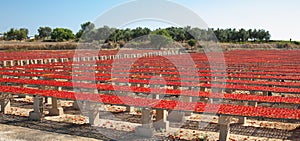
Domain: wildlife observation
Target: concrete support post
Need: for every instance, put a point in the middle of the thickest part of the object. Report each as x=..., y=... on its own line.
x=202, y=89
x=93, y=113
x=129, y=109
x=18, y=63
x=48, y=100
x=27, y=62
x=155, y=96
x=176, y=116
x=146, y=117
x=59, y=88
x=210, y=100
x=21, y=63
x=242, y=120
x=94, y=117
x=253, y=103
x=146, y=130
x=4, y=64
x=11, y=63
x=229, y=91
x=266, y=93
x=36, y=114
x=77, y=105
x=5, y=105
x=224, y=123
x=56, y=109
x=161, y=120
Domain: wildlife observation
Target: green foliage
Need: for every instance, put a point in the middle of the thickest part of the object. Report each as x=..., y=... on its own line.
x=105, y=34
x=62, y=34
x=22, y=34
x=296, y=43
x=44, y=32
x=16, y=34
x=177, y=33
x=242, y=35
x=88, y=26
x=85, y=27
x=162, y=32
x=180, y=34
x=79, y=34
x=128, y=34
x=192, y=42
x=160, y=38
x=139, y=32
x=100, y=34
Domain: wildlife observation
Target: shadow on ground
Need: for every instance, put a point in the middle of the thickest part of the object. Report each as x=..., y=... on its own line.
x=88, y=131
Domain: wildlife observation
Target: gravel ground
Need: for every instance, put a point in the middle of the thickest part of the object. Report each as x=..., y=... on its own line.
x=16, y=133
x=120, y=126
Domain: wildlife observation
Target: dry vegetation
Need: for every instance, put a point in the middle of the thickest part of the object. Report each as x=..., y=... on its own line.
x=11, y=46
x=16, y=46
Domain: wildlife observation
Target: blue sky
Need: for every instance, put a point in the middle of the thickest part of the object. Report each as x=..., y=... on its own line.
x=280, y=17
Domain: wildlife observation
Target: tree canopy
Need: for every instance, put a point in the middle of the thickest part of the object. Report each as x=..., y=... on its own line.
x=160, y=38
x=44, y=32
x=85, y=27
x=89, y=33
x=62, y=34
x=16, y=34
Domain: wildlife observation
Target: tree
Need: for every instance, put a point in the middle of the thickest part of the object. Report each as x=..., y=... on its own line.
x=85, y=27
x=192, y=42
x=10, y=35
x=250, y=32
x=127, y=35
x=254, y=35
x=221, y=35
x=261, y=34
x=139, y=32
x=16, y=34
x=62, y=34
x=44, y=32
x=244, y=35
x=177, y=34
x=210, y=36
x=160, y=38
x=187, y=34
x=22, y=34
x=103, y=33
x=88, y=26
x=268, y=36
x=196, y=33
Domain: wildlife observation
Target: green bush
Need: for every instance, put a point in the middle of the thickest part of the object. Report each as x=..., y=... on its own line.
x=192, y=42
